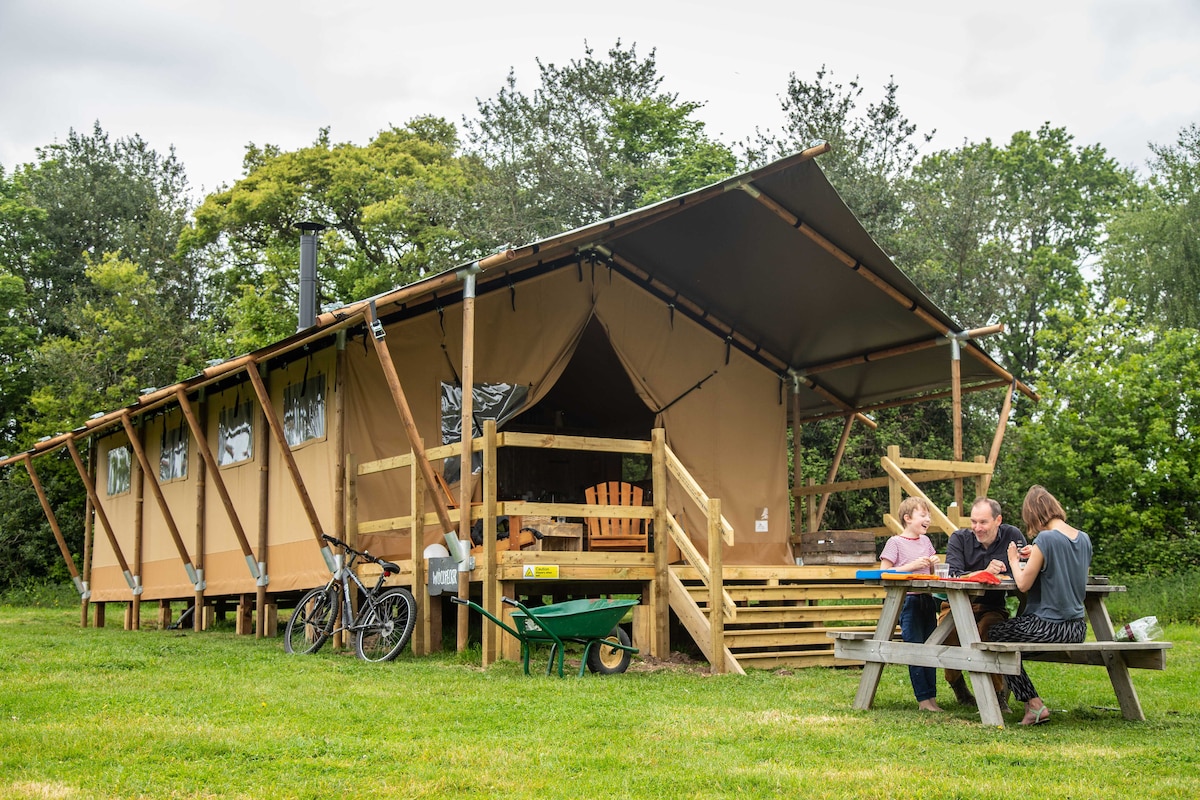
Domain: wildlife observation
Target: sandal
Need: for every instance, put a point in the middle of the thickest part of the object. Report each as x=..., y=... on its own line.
x=1040, y=716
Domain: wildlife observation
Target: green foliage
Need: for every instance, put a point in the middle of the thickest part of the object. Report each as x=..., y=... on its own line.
x=1001, y=234
x=597, y=137
x=93, y=196
x=119, y=339
x=873, y=149
x=1152, y=256
x=391, y=210
x=1171, y=598
x=1117, y=439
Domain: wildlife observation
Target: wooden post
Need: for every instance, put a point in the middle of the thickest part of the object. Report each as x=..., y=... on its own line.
x=407, y=420
x=88, y=531
x=797, y=464
x=491, y=584
x=201, y=522
x=659, y=600
x=956, y=413
x=98, y=614
x=894, y=495
x=90, y=487
x=811, y=506
x=200, y=435
x=146, y=472
x=262, y=448
x=833, y=468
x=133, y=616
x=465, y=484
x=425, y=639
x=716, y=588
x=289, y=461
x=49, y=512
x=998, y=439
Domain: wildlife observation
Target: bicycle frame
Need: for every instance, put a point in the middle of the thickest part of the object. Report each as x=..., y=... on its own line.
x=345, y=569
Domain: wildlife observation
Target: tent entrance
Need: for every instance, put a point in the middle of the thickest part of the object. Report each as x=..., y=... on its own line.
x=593, y=397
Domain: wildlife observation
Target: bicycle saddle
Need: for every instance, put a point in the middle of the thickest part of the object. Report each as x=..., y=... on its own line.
x=389, y=568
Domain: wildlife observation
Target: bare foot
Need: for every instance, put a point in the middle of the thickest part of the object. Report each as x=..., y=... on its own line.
x=928, y=705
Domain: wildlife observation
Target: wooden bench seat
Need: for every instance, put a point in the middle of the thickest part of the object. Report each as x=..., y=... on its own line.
x=1139, y=655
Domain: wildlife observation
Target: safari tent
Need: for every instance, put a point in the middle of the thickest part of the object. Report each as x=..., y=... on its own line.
x=670, y=347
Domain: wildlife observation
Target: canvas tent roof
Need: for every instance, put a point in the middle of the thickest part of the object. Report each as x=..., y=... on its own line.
x=772, y=261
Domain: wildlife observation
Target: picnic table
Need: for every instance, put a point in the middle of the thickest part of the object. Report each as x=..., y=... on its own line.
x=978, y=659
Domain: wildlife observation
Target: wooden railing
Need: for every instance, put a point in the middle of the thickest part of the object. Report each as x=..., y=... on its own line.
x=666, y=468
x=904, y=476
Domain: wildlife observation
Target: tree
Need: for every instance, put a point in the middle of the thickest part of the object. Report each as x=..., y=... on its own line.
x=119, y=338
x=872, y=150
x=1117, y=440
x=597, y=137
x=1002, y=234
x=391, y=212
x=94, y=196
x=1152, y=256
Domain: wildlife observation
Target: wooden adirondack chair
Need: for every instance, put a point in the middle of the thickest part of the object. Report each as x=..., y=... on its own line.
x=610, y=533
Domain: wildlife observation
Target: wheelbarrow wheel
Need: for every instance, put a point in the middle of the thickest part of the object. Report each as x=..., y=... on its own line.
x=608, y=660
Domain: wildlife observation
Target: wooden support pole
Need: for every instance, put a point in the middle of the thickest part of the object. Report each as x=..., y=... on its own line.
x=833, y=468
x=406, y=419
x=426, y=638
x=49, y=512
x=956, y=412
x=797, y=461
x=716, y=587
x=156, y=490
x=137, y=477
x=262, y=446
x=998, y=439
x=201, y=530
x=88, y=532
x=90, y=487
x=289, y=461
x=465, y=484
x=660, y=637
x=490, y=578
x=214, y=469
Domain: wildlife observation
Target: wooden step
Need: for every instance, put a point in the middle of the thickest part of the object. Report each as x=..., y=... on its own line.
x=792, y=592
x=736, y=639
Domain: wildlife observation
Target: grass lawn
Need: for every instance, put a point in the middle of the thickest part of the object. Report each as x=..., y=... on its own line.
x=110, y=713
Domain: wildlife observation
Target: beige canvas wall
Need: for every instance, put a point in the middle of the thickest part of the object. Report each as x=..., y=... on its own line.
x=731, y=433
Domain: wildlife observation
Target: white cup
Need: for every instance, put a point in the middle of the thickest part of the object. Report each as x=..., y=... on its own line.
x=942, y=570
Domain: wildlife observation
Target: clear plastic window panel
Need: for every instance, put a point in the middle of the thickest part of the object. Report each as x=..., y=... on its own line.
x=304, y=410
x=172, y=460
x=235, y=433
x=119, y=460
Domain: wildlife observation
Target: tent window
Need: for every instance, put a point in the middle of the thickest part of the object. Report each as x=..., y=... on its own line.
x=235, y=433
x=172, y=459
x=498, y=401
x=304, y=410
x=119, y=462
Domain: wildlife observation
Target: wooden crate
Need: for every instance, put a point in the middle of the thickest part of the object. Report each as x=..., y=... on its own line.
x=555, y=535
x=835, y=547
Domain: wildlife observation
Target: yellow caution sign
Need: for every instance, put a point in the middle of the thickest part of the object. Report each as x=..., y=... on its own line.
x=539, y=571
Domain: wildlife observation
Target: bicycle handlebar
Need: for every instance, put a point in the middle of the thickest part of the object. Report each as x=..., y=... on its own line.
x=360, y=553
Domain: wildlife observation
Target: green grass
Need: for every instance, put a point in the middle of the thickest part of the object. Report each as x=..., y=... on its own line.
x=110, y=713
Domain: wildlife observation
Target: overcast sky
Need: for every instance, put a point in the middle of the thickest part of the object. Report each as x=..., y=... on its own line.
x=209, y=76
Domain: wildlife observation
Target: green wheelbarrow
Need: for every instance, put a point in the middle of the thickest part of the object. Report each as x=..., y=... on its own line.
x=592, y=623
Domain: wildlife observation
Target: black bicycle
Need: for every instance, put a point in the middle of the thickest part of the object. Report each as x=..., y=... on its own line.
x=384, y=621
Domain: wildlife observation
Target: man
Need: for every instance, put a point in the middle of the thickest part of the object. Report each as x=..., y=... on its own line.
x=983, y=547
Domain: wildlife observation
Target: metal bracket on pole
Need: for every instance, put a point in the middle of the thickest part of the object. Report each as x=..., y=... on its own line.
x=195, y=577
x=199, y=585
x=135, y=584
x=253, y=565
x=84, y=592
x=376, y=326
x=263, y=578
x=330, y=560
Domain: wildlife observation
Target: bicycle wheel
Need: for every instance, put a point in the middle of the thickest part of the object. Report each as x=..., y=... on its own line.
x=385, y=626
x=312, y=621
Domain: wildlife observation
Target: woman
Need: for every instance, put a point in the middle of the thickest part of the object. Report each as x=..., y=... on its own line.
x=1055, y=579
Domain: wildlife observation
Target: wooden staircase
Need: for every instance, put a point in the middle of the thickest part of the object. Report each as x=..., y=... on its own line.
x=782, y=613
